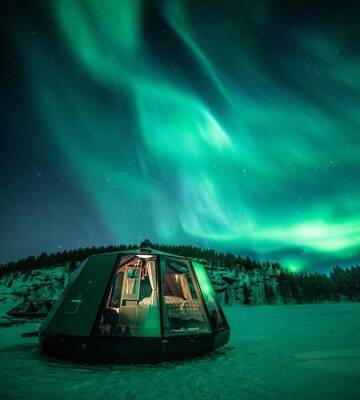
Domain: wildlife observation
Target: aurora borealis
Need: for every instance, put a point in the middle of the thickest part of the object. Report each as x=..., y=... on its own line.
x=233, y=125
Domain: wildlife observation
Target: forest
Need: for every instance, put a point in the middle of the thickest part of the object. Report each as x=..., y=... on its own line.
x=238, y=278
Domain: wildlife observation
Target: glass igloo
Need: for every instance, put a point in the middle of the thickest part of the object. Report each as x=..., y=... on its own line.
x=136, y=305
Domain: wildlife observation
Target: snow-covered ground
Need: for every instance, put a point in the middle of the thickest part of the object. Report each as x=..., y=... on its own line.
x=275, y=352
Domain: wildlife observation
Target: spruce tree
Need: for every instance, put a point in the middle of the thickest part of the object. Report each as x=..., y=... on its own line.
x=247, y=294
x=269, y=294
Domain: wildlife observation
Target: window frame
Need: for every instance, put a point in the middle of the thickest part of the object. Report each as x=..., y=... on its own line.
x=225, y=325
x=107, y=296
x=198, y=292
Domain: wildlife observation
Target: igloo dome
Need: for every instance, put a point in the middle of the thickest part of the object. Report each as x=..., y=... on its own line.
x=135, y=305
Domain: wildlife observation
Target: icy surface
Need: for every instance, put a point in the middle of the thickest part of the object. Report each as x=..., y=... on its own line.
x=275, y=352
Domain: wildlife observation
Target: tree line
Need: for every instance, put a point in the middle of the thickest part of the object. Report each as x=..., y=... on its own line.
x=292, y=287
x=215, y=258
x=45, y=260
x=340, y=284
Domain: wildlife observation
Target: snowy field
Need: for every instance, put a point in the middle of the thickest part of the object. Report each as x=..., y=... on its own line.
x=275, y=352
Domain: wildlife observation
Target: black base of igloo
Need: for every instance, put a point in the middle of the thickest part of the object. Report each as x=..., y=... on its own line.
x=130, y=349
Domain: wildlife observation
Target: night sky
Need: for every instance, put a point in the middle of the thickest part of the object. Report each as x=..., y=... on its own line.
x=226, y=124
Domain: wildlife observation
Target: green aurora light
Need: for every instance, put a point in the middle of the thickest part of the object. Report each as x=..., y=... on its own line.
x=211, y=139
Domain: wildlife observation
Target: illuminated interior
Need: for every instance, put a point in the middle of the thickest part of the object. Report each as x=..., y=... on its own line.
x=132, y=306
x=183, y=310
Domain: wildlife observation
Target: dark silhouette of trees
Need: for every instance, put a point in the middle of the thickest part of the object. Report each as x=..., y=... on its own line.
x=340, y=284
x=270, y=296
x=247, y=294
x=45, y=260
x=347, y=282
x=146, y=243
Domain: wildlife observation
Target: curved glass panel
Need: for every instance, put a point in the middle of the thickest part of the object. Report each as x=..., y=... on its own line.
x=209, y=295
x=131, y=307
x=182, y=308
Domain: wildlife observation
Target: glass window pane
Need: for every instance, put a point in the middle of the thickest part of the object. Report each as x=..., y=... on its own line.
x=209, y=294
x=131, y=308
x=183, y=309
